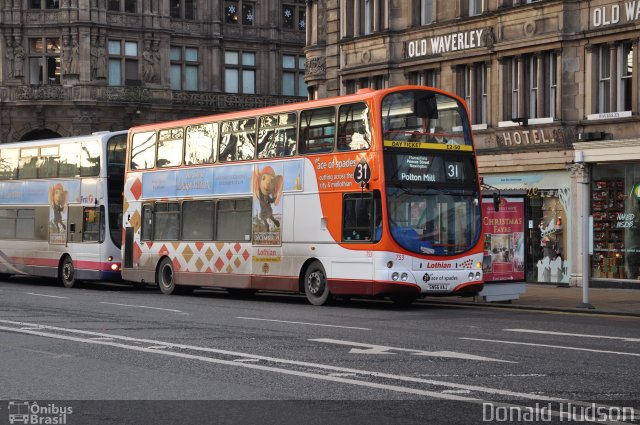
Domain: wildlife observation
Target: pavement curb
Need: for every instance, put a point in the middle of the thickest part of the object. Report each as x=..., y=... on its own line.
x=536, y=307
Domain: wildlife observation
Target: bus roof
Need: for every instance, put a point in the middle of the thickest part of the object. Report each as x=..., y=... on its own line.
x=62, y=140
x=361, y=95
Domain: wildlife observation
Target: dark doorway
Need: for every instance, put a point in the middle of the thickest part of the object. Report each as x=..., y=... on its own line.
x=39, y=135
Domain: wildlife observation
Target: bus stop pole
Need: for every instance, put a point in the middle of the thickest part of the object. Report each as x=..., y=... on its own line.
x=584, y=227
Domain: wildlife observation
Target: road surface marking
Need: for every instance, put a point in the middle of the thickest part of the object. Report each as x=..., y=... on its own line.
x=280, y=370
x=533, y=331
x=304, y=374
x=382, y=349
x=304, y=323
x=554, y=346
x=43, y=295
x=275, y=360
x=142, y=306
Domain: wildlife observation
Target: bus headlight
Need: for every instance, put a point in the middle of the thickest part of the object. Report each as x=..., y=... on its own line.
x=110, y=258
x=395, y=276
x=404, y=277
x=478, y=276
x=478, y=265
x=471, y=276
x=114, y=267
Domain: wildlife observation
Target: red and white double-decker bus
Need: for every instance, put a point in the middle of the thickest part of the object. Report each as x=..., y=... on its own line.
x=371, y=194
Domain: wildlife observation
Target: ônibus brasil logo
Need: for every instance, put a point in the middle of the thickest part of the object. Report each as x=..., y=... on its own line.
x=30, y=412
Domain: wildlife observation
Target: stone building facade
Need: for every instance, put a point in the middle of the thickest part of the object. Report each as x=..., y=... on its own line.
x=553, y=92
x=71, y=67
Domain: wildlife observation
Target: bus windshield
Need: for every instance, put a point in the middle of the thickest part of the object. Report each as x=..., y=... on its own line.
x=432, y=190
x=424, y=116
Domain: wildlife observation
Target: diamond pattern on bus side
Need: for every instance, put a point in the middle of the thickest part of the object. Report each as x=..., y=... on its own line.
x=197, y=257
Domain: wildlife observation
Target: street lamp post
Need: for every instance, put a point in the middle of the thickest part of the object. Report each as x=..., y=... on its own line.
x=584, y=227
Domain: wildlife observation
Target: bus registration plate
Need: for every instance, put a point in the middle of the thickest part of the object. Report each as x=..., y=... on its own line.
x=438, y=286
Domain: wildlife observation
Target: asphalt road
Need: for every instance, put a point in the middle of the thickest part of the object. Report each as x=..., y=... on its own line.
x=271, y=358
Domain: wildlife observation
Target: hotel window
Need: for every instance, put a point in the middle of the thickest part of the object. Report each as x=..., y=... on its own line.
x=293, y=83
x=625, y=71
x=128, y=6
x=423, y=78
x=239, y=12
x=294, y=16
x=123, y=63
x=472, y=87
x=44, y=61
x=363, y=17
x=531, y=86
x=604, y=79
x=239, y=72
x=185, y=9
x=613, y=65
x=376, y=82
x=44, y=4
x=426, y=12
x=184, y=68
x=475, y=7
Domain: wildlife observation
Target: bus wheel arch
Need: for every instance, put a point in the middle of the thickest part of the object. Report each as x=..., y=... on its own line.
x=314, y=282
x=66, y=271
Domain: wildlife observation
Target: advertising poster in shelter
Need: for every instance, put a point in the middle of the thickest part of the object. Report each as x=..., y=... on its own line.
x=503, y=239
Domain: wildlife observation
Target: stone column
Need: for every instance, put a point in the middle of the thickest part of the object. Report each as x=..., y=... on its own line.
x=579, y=175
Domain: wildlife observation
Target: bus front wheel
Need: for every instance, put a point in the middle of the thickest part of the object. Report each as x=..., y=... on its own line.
x=67, y=273
x=315, y=284
x=165, y=279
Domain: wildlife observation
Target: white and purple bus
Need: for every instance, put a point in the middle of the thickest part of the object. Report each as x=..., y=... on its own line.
x=61, y=207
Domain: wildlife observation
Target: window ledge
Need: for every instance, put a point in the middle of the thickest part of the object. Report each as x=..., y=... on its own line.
x=609, y=116
x=479, y=127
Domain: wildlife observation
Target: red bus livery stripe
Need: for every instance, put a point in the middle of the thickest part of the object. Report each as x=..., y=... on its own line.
x=52, y=262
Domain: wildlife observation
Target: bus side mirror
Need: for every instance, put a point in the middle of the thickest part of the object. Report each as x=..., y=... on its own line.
x=496, y=201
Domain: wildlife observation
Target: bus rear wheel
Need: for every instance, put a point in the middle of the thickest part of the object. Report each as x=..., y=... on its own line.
x=165, y=279
x=67, y=273
x=315, y=284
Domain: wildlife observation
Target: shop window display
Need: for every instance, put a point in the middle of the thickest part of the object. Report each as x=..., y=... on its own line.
x=615, y=199
x=551, y=265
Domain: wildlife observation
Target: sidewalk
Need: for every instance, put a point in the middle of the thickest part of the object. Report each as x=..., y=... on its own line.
x=550, y=297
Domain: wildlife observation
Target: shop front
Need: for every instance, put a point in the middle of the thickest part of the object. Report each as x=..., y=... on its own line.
x=615, y=209
x=613, y=168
